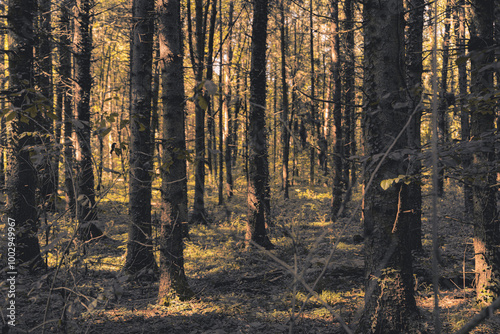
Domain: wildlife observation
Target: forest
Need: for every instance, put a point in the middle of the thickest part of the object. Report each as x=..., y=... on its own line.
x=253, y=166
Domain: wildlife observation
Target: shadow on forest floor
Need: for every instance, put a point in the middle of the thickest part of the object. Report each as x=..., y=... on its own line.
x=239, y=291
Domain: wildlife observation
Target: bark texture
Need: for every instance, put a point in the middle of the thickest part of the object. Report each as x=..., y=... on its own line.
x=412, y=197
x=258, y=200
x=485, y=215
x=389, y=299
x=85, y=198
x=139, y=246
x=21, y=174
x=66, y=101
x=338, y=157
x=173, y=282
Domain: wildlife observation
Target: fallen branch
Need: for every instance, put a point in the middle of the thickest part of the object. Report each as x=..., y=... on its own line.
x=478, y=318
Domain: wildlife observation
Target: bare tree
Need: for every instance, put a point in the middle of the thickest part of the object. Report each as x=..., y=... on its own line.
x=258, y=166
x=82, y=40
x=412, y=197
x=173, y=282
x=21, y=177
x=389, y=298
x=139, y=246
x=485, y=214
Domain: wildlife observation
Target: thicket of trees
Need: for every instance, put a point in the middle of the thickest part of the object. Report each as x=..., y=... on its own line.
x=156, y=94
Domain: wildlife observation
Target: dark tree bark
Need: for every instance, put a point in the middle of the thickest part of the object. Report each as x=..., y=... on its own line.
x=199, y=214
x=82, y=40
x=443, y=132
x=221, y=112
x=464, y=112
x=349, y=98
x=313, y=133
x=485, y=215
x=211, y=111
x=139, y=246
x=48, y=166
x=65, y=101
x=412, y=196
x=389, y=298
x=258, y=200
x=21, y=177
x=229, y=109
x=173, y=282
x=285, y=127
x=338, y=156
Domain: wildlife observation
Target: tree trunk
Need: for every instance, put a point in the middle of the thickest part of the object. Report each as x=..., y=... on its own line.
x=21, y=177
x=173, y=282
x=486, y=232
x=48, y=166
x=83, y=85
x=285, y=127
x=389, y=298
x=443, y=132
x=211, y=138
x=229, y=122
x=412, y=198
x=199, y=215
x=64, y=90
x=139, y=245
x=221, y=111
x=258, y=166
x=349, y=98
x=312, y=154
x=338, y=156
x=464, y=112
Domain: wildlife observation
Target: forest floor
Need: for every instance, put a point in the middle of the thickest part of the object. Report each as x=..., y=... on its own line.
x=240, y=291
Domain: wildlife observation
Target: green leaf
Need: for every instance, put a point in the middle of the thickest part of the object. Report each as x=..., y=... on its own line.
x=52, y=116
x=124, y=123
x=202, y=103
x=33, y=111
x=104, y=132
x=385, y=184
x=24, y=119
x=10, y=116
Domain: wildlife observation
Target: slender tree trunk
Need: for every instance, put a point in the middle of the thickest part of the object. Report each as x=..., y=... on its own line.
x=312, y=154
x=229, y=123
x=211, y=139
x=83, y=85
x=21, y=177
x=258, y=182
x=66, y=104
x=338, y=156
x=412, y=198
x=285, y=127
x=48, y=171
x=139, y=245
x=443, y=101
x=349, y=97
x=199, y=215
x=389, y=298
x=221, y=112
x=173, y=282
x=485, y=215
x=464, y=112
